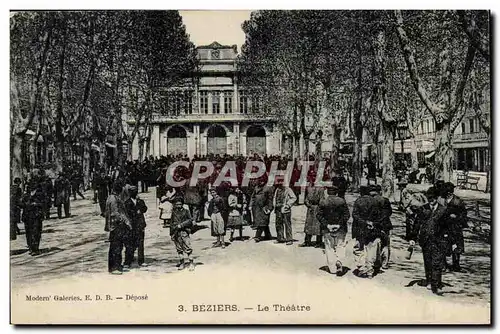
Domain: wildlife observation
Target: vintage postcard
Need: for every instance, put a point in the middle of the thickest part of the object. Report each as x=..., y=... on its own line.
x=250, y=167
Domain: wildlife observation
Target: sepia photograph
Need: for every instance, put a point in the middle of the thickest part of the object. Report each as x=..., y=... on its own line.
x=258, y=167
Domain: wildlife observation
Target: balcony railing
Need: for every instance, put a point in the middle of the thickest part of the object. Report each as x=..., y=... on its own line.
x=471, y=136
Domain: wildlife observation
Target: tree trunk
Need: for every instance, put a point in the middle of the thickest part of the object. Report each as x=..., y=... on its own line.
x=295, y=146
x=387, y=160
x=317, y=148
x=488, y=166
x=334, y=156
x=443, y=158
x=414, y=154
x=357, y=163
x=129, y=150
x=86, y=164
x=148, y=141
x=17, y=157
x=58, y=155
x=102, y=154
x=306, y=147
x=141, y=149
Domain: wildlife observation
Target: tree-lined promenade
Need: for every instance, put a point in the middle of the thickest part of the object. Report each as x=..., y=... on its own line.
x=76, y=76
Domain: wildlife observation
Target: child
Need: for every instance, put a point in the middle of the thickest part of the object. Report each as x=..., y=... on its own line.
x=236, y=204
x=180, y=228
x=166, y=206
x=215, y=208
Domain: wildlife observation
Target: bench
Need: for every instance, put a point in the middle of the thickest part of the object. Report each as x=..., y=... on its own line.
x=472, y=181
x=461, y=180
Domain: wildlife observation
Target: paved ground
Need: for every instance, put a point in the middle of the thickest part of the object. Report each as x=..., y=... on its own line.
x=76, y=248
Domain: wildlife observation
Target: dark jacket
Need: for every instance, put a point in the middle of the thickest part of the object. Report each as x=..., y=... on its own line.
x=382, y=213
x=333, y=210
x=430, y=225
x=135, y=213
x=362, y=212
x=182, y=217
x=33, y=205
x=262, y=198
x=62, y=190
x=115, y=214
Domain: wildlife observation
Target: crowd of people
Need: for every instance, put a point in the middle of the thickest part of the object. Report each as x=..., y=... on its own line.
x=435, y=218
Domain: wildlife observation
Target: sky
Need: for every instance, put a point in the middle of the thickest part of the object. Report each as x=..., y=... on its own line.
x=223, y=26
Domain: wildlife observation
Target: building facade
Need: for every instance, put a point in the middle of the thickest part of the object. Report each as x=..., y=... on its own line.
x=469, y=142
x=211, y=114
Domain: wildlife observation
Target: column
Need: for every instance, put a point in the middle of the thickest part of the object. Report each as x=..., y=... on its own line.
x=230, y=142
x=235, y=96
x=222, y=107
x=155, y=140
x=196, y=99
x=210, y=97
x=196, y=131
x=191, y=142
x=243, y=143
x=203, y=143
x=237, y=138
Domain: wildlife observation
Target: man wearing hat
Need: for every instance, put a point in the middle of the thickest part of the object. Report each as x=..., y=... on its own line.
x=333, y=215
x=118, y=225
x=362, y=213
x=135, y=208
x=62, y=190
x=432, y=232
x=456, y=216
x=382, y=221
x=283, y=199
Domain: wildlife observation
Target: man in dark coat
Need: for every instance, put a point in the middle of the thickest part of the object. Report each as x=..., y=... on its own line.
x=382, y=220
x=48, y=190
x=456, y=218
x=101, y=184
x=261, y=204
x=16, y=195
x=192, y=198
x=333, y=215
x=118, y=225
x=62, y=189
x=362, y=215
x=33, y=214
x=135, y=208
x=432, y=230
x=76, y=180
x=340, y=182
x=312, y=224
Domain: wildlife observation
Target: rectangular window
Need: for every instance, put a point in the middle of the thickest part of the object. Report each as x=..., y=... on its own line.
x=215, y=102
x=471, y=125
x=243, y=103
x=255, y=104
x=228, y=102
x=204, y=102
x=188, y=102
x=463, y=127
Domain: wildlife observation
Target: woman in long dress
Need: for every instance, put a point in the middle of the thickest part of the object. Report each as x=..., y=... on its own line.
x=236, y=204
x=215, y=209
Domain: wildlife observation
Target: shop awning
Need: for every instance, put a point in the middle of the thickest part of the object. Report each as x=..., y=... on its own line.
x=95, y=147
x=110, y=145
x=430, y=155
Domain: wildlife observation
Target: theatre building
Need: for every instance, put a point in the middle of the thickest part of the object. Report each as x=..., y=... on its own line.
x=211, y=113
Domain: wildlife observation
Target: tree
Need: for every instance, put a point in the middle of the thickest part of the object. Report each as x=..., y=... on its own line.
x=30, y=39
x=444, y=104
